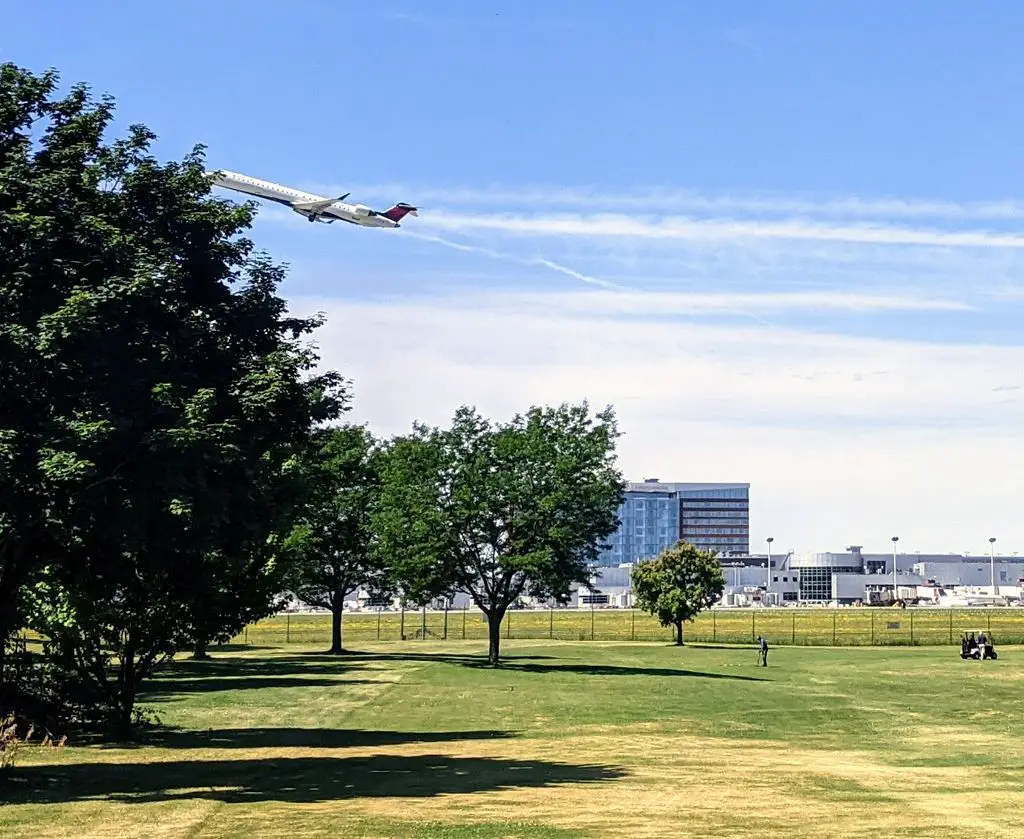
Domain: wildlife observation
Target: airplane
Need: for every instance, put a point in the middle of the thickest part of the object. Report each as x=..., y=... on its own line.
x=313, y=207
x=942, y=597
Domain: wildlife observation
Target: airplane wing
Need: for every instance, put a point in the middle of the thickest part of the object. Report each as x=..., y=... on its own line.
x=316, y=206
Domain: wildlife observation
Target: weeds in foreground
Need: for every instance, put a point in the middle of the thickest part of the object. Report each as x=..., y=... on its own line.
x=11, y=741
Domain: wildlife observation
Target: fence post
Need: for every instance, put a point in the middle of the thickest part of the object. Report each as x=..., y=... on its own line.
x=872, y=629
x=446, y=619
x=246, y=634
x=753, y=618
x=591, y=620
x=911, y=628
x=378, y=623
x=988, y=618
x=401, y=628
x=465, y=611
x=793, y=639
x=423, y=626
x=551, y=622
x=287, y=629
x=950, y=626
x=508, y=624
x=833, y=628
x=714, y=628
x=632, y=625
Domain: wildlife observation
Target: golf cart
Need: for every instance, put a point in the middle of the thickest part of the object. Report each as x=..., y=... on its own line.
x=977, y=645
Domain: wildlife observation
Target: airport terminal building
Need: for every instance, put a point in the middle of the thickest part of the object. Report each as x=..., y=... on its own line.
x=846, y=577
x=852, y=576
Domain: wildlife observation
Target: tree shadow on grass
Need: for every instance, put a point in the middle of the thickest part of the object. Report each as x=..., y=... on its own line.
x=289, y=665
x=160, y=689
x=234, y=648
x=611, y=670
x=528, y=664
x=306, y=738
x=299, y=779
x=448, y=658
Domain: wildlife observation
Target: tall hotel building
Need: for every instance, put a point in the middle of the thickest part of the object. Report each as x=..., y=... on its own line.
x=655, y=516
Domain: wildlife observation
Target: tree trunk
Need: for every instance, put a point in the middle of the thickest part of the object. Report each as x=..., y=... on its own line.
x=336, y=631
x=200, y=653
x=679, y=633
x=125, y=702
x=7, y=630
x=494, y=637
x=123, y=722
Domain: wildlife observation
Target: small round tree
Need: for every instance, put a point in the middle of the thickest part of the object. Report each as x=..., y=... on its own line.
x=678, y=585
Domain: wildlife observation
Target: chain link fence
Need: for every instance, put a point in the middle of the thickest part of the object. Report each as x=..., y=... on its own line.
x=789, y=627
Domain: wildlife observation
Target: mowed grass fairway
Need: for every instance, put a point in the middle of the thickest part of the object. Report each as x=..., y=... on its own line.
x=568, y=739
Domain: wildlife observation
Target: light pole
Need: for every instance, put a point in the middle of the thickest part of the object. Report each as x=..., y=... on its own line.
x=992, y=564
x=895, y=539
x=769, y=580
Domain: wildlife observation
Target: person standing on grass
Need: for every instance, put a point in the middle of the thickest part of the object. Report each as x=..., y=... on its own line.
x=762, y=654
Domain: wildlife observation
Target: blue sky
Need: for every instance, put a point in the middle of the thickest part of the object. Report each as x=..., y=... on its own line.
x=784, y=239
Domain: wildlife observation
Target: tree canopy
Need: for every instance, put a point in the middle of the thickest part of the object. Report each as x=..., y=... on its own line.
x=330, y=544
x=156, y=393
x=678, y=585
x=498, y=511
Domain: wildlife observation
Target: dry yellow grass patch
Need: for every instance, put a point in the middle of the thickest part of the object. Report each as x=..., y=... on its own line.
x=688, y=785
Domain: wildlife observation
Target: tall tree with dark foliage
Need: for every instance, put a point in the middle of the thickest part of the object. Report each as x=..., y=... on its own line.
x=155, y=395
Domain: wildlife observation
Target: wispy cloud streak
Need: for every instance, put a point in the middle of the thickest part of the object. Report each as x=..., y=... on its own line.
x=658, y=303
x=721, y=230
x=660, y=199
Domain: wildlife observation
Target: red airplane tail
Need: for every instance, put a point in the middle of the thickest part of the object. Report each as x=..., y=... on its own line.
x=399, y=212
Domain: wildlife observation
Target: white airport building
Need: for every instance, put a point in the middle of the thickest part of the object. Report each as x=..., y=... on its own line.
x=800, y=579
x=842, y=578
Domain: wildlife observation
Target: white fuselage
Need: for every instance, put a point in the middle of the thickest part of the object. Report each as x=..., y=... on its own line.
x=314, y=207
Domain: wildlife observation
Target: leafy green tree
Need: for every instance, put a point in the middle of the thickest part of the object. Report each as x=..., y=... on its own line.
x=499, y=511
x=44, y=445
x=678, y=585
x=329, y=546
x=156, y=398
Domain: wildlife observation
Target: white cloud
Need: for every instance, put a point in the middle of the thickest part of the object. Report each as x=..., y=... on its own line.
x=719, y=230
x=666, y=199
x=845, y=440
x=664, y=304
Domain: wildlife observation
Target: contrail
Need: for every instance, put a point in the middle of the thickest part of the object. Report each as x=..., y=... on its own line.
x=554, y=266
x=507, y=257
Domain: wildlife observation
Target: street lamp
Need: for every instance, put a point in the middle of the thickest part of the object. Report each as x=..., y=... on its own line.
x=895, y=539
x=769, y=580
x=992, y=564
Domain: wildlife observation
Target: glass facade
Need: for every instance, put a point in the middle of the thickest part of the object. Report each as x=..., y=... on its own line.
x=716, y=519
x=655, y=516
x=649, y=523
x=816, y=583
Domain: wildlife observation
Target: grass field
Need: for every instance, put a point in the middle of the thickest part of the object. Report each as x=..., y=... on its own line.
x=567, y=740
x=829, y=627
